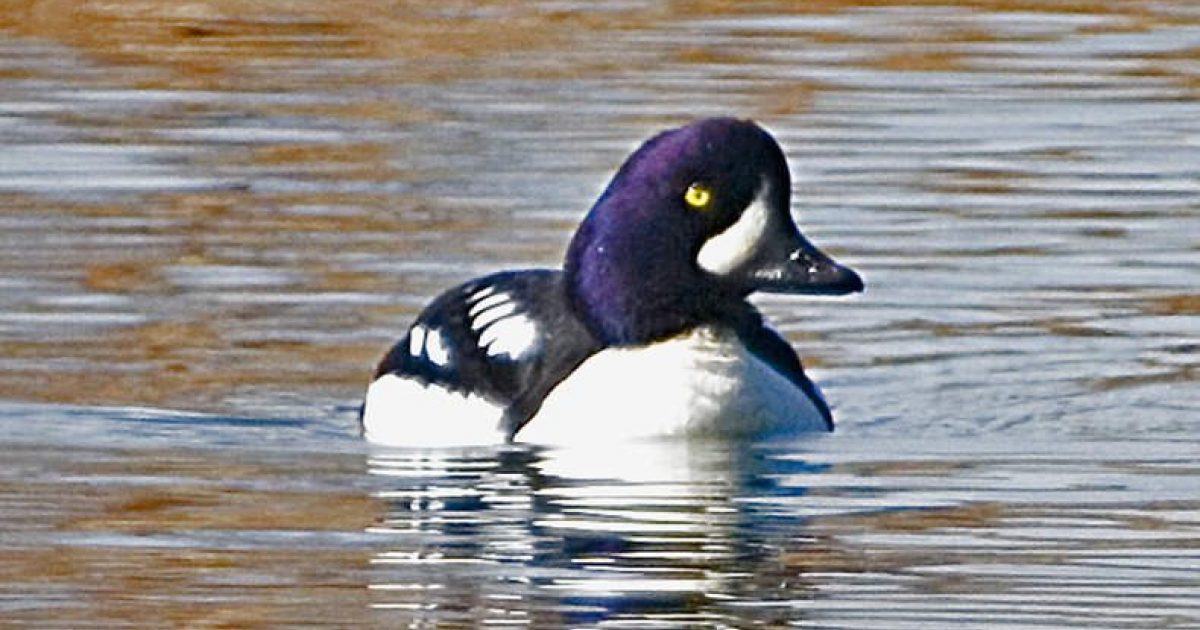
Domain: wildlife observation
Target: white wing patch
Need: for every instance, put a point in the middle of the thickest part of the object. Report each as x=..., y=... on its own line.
x=482, y=293
x=484, y=299
x=435, y=348
x=511, y=336
x=483, y=318
x=502, y=330
x=416, y=340
x=422, y=340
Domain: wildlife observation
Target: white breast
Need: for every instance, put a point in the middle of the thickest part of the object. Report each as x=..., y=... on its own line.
x=702, y=382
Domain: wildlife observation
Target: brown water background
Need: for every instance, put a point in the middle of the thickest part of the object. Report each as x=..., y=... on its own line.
x=215, y=216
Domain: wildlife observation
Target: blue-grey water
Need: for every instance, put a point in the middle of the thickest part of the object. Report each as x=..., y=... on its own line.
x=215, y=216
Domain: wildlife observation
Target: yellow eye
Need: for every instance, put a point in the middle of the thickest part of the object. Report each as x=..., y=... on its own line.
x=698, y=196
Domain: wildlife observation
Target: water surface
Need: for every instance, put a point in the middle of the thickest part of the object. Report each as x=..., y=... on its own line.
x=214, y=217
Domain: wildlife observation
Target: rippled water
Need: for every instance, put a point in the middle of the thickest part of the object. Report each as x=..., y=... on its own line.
x=215, y=216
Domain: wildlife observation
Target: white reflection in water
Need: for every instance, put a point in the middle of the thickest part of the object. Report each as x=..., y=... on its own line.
x=679, y=533
x=657, y=530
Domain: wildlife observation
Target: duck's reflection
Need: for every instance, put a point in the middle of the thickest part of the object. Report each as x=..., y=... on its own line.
x=670, y=532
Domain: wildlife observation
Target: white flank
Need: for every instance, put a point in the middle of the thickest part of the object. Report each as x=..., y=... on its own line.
x=512, y=336
x=405, y=412
x=700, y=383
x=736, y=244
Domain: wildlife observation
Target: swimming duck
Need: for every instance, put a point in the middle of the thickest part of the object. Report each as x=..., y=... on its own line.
x=645, y=331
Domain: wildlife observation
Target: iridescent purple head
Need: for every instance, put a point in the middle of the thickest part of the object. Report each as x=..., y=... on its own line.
x=696, y=219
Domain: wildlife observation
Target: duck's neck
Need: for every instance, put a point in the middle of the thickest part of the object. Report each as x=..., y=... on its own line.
x=637, y=287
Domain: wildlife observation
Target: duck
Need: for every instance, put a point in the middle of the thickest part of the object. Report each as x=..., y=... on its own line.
x=645, y=332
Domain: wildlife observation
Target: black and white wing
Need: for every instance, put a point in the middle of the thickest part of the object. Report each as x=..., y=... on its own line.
x=495, y=345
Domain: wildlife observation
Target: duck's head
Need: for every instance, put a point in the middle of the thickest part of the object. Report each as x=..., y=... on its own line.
x=696, y=219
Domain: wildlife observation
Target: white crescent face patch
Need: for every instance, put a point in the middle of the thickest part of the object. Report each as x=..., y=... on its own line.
x=724, y=252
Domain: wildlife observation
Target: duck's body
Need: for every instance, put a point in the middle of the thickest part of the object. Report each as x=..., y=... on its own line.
x=646, y=331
